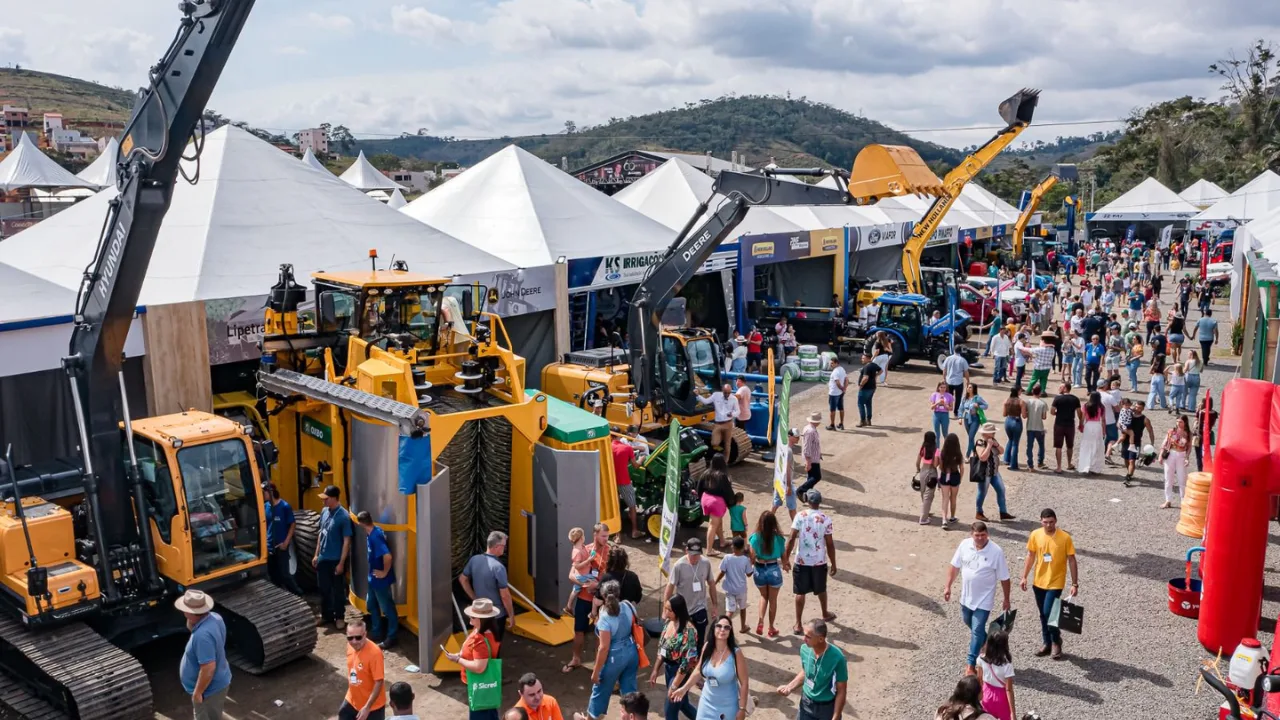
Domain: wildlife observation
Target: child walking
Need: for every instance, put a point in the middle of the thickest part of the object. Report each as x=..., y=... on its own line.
x=734, y=570
x=583, y=573
x=995, y=669
x=738, y=517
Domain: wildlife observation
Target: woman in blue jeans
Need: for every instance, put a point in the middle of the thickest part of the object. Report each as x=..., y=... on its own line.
x=988, y=454
x=971, y=408
x=942, y=402
x=617, y=660
x=1013, y=408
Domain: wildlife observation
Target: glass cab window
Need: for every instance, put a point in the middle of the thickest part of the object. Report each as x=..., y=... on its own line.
x=676, y=367
x=222, y=505
x=702, y=359
x=157, y=485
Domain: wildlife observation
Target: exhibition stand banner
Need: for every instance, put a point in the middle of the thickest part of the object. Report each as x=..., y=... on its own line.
x=616, y=270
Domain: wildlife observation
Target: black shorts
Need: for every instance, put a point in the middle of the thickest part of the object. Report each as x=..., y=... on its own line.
x=754, y=358
x=1128, y=450
x=1064, y=434
x=581, y=615
x=951, y=479
x=806, y=579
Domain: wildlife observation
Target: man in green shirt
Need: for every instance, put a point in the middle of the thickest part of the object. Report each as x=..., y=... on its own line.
x=825, y=674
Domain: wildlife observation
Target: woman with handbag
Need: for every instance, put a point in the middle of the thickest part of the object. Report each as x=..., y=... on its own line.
x=926, y=480
x=984, y=469
x=973, y=411
x=723, y=668
x=617, y=657
x=1173, y=455
x=678, y=651
x=481, y=671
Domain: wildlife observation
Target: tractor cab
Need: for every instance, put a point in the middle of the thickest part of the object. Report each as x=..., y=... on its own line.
x=908, y=319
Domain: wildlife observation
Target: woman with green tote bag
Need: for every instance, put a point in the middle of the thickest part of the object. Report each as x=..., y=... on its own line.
x=481, y=670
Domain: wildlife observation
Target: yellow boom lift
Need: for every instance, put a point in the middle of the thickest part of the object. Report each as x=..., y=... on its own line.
x=1060, y=172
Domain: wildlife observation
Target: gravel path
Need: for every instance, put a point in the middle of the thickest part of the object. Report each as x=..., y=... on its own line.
x=1135, y=659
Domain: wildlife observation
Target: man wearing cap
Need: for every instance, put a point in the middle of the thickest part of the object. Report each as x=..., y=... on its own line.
x=811, y=452
x=815, y=557
x=205, y=673
x=332, y=550
x=691, y=579
x=380, y=598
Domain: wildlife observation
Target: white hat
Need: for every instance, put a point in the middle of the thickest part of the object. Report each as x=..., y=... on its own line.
x=195, y=602
x=482, y=608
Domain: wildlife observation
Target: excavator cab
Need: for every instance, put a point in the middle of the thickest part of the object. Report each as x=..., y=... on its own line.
x=690, y=368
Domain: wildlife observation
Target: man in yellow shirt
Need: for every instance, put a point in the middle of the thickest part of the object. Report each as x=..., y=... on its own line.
x=1050, y=551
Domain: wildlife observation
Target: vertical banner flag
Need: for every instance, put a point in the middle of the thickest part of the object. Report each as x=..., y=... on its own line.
x=670, y=499
x=1204, y=257
x=782, y=453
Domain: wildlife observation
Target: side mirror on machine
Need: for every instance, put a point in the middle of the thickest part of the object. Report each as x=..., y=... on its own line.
x=269, y=452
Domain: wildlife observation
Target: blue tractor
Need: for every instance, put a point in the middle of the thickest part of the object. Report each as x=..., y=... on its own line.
x=913, y=333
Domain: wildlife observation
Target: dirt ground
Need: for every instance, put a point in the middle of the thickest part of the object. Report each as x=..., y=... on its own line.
x=887, y=589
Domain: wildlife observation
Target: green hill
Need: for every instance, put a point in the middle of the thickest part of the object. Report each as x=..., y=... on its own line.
x=790, y=131
x=77, y=100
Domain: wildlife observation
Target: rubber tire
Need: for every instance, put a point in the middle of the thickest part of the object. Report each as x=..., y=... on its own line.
x=937, y=358
x=306, y=533
x=897, y=353
x=962, y=335
x=653, y=524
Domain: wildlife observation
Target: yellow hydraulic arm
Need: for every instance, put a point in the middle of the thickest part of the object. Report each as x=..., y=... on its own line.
x=1060, y=172
x=1016, y=112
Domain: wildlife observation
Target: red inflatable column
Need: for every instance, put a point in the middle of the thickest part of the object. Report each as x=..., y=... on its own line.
x=1239, y=509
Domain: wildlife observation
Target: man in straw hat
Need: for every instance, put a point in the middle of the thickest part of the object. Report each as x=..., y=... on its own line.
x=811, y=452
x=205, y=673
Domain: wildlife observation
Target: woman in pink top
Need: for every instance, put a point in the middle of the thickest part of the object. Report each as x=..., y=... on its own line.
x=941, y=402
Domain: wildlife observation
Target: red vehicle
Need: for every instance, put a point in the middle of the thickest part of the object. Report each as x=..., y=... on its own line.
x=981, y=307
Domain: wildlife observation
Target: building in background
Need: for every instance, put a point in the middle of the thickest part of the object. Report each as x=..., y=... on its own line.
x=16, y=117
x=418, y=182
x=315, y=140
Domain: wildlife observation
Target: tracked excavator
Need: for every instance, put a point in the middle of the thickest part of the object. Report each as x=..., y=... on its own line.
x=660, y=373
x=93, y=551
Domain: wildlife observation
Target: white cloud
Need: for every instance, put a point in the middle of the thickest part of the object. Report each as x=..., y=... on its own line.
x=13, y=46
x=330, y=22
x=290, y=50
x=421, y=23
x=532, y=25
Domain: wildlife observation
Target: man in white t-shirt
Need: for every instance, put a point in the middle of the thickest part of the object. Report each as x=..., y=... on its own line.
x=815, y=557
x=955, y=373
x=1001, y=346
x=981, y=564
x=836, y=385
x=1111, y=398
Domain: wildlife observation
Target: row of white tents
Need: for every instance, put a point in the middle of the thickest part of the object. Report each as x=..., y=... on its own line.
x=1202, y=202
x=257, y=207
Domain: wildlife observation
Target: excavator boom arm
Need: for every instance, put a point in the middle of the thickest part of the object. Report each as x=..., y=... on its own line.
x=692, y=247
x=1020, y=227
x=164, y=118
x=1017, y=112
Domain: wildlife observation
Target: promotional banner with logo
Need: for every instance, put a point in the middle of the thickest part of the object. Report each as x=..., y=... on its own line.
x=782, y=450
x=234, y=327
x=517, y=292
x=615, y=270
x=670, y=499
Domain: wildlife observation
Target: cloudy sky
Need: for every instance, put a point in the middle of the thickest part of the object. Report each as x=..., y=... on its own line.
x=484, y=69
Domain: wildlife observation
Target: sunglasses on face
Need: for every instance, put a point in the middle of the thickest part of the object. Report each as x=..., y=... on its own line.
x=354, y=638
x=724, y=627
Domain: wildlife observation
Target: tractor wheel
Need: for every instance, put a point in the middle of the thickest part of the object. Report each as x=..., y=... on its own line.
x=897, y=352
x=306, y=534
x=653, y=522
x=962, y=335
x=739, y=446
x=938, y=356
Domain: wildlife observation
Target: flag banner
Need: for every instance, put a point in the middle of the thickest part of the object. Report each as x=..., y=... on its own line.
x=670, y=499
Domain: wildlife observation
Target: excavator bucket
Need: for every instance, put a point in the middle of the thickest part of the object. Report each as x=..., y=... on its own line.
x=885, y=170
x=1020, y=107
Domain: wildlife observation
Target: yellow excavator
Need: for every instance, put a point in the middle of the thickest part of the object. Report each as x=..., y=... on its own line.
x=1032, y=200
x=664, y=368
x=94, y=550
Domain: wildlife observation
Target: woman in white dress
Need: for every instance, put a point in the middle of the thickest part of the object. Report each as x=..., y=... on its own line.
x=1093, y=443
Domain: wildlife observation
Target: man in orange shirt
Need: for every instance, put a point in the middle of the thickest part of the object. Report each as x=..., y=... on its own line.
x=537, y=704
x=366, y=699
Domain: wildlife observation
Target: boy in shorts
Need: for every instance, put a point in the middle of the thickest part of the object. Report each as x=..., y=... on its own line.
x=738, y=516
x=734, y=570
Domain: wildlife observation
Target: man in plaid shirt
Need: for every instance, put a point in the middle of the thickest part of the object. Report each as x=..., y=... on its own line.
x=1041, y=362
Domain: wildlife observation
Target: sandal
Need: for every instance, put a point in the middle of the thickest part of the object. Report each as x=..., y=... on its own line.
x=797, y=631
x=829, y=617
x=773, y=632
x=570, y=667
x=760, y=628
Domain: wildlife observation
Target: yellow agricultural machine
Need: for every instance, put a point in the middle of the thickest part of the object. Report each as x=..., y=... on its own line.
x=384, y=366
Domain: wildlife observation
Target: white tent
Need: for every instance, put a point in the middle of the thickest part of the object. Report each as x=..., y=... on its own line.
x=27, y=167
x=397, y=200
x=254, y=208
x=958, y=215
x=1253, y=200
x=669, y=194
x=102, y=171
x=988, y=206
x=1148, y=201
x=531, y=213
x=362, y=175
x=1203, y=193
x=312, y=161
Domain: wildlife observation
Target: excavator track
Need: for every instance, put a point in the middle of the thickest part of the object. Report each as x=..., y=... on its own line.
x=740, y=443
x=69, y=672
x=266, y=626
